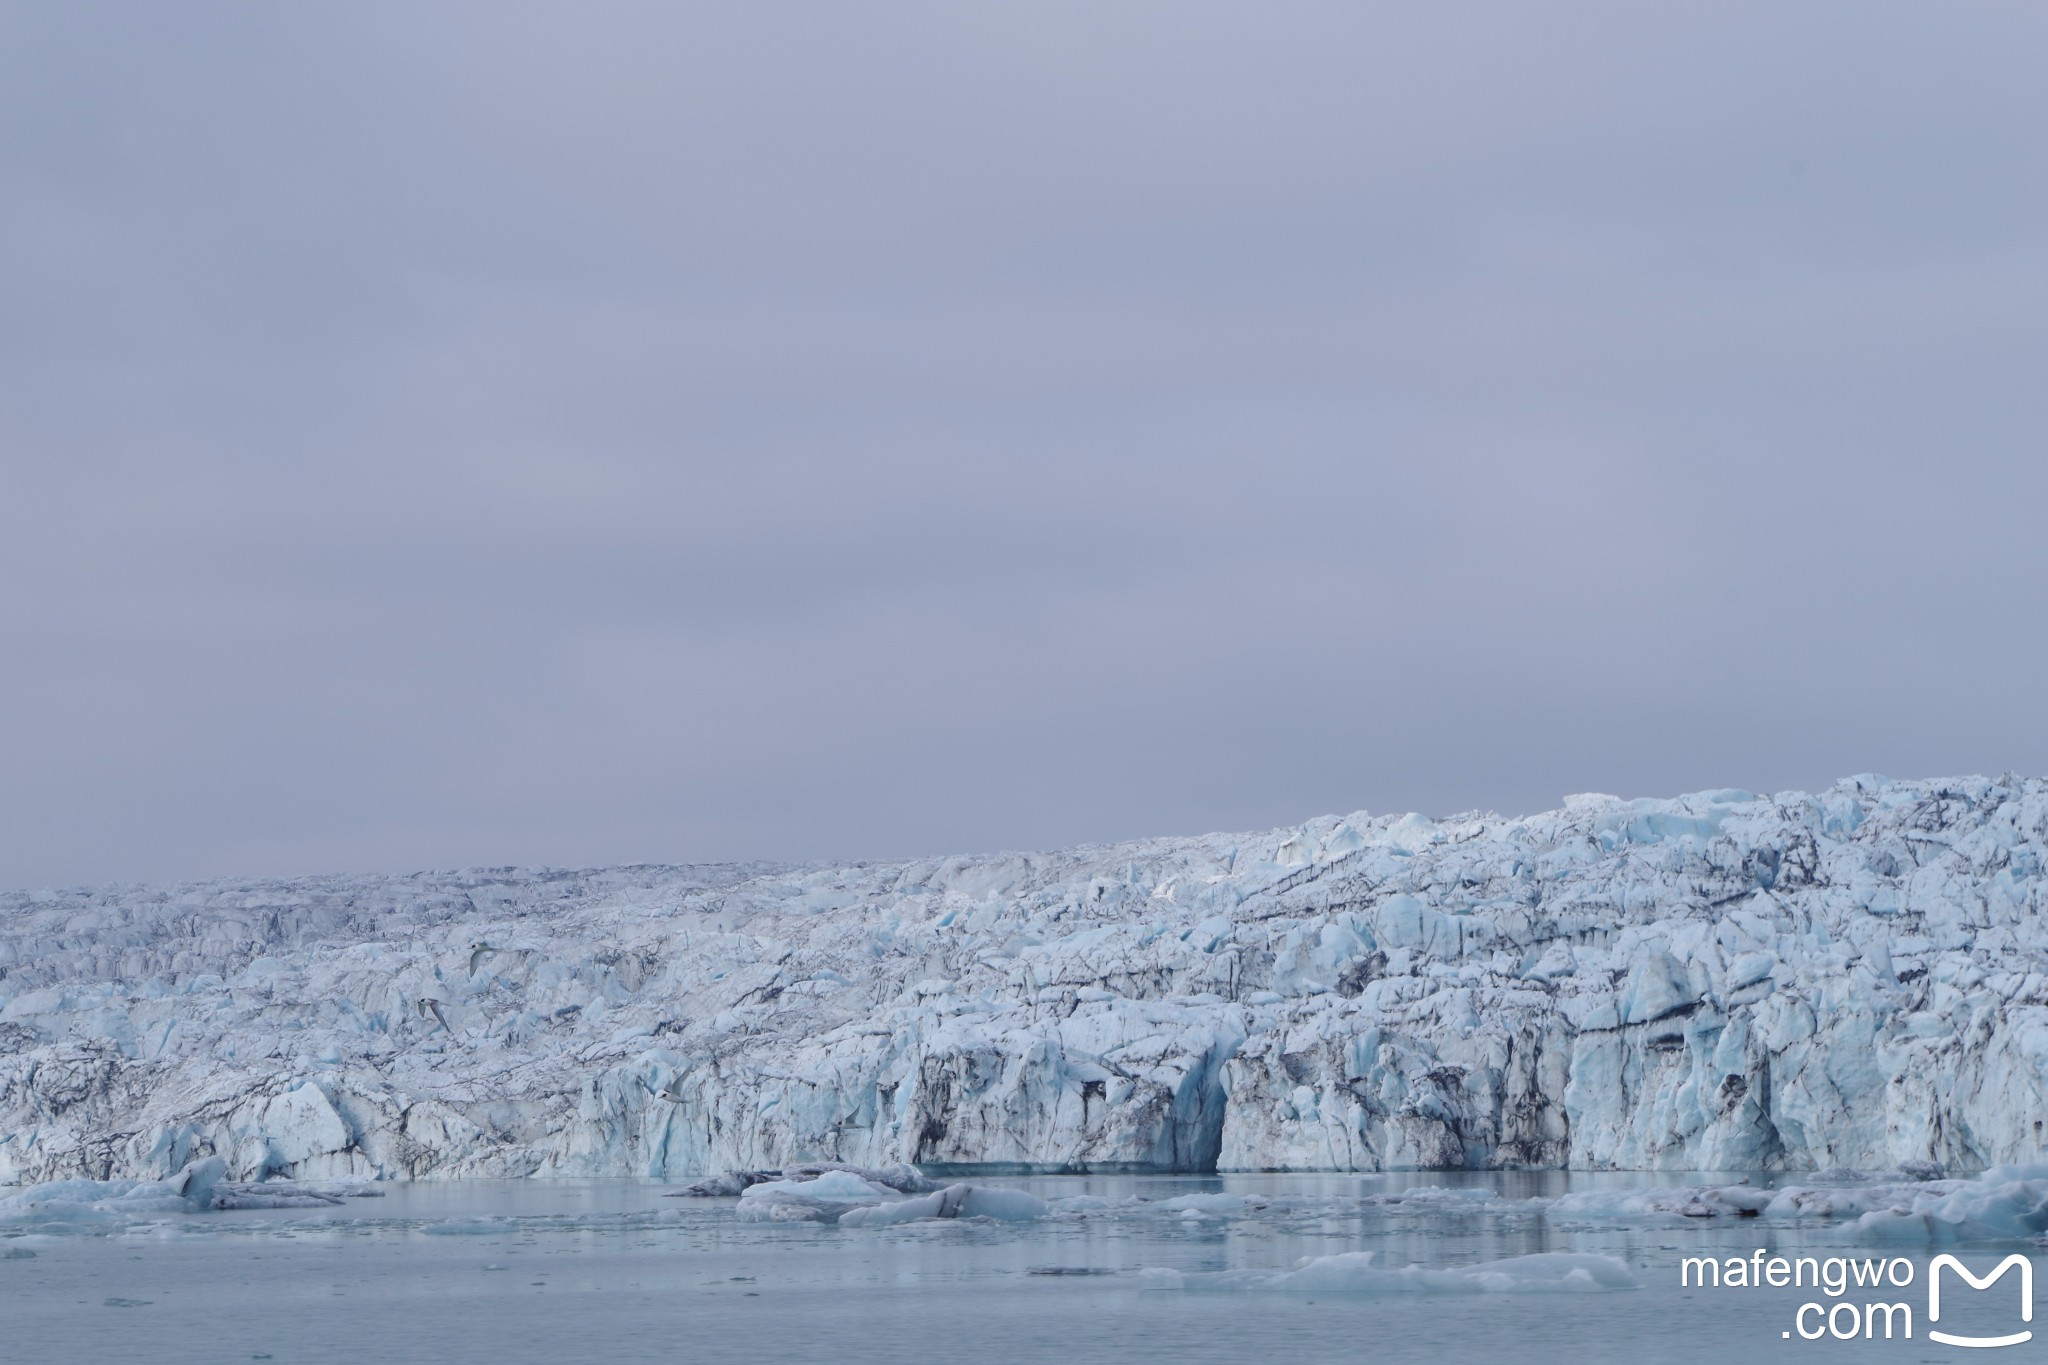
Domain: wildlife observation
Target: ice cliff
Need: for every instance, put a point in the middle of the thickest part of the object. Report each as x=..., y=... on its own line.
x=1720, y=981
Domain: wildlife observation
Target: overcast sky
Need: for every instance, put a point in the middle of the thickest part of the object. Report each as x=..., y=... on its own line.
x=441, y=434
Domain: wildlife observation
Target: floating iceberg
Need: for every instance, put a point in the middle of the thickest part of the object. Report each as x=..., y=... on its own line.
x=2004, y=1203
x=954, y=1201
x=849, y=1198
x=1694, y=1201
x=1716, y=982
x=821, y=1199
x=198, y=1188
x=191, y=1190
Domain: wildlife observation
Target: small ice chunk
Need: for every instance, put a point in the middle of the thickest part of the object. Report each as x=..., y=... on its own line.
x=723, y=1186
x=954, y=1201
x=900, y=1176
x=1354, y=1272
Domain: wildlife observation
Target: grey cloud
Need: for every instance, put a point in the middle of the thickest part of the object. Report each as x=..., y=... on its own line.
x=448, y=433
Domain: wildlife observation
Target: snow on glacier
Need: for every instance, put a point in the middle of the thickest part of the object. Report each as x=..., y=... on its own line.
x=1716, y=982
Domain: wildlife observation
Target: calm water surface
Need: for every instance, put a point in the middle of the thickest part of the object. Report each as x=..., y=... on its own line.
x=571, y=1271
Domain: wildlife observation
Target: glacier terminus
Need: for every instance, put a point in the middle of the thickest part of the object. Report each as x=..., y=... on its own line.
x=1721, y=981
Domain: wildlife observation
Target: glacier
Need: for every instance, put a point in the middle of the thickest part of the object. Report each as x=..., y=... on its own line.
x=1716, y=982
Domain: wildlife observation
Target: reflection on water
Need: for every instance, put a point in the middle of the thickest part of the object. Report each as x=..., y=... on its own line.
x=614, y=1270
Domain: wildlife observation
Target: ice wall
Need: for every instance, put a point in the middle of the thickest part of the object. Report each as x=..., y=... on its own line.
x=1714, y=982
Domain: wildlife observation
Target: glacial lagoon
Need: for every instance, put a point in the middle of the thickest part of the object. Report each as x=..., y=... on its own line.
x=1464, y=1267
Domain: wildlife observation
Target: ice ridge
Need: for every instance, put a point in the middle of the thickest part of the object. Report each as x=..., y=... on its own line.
x=1721, y=981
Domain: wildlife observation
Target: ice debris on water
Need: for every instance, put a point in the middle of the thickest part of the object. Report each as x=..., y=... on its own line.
x=1721, y=981
x=724, y=1186
x=2002, y=1204
x=847, y=1197
x=194, y=1188
x=1357, y=1272
x=899, y=1176
x=198, y=1188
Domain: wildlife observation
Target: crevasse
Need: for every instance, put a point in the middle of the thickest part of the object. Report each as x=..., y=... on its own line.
x=1716, y=982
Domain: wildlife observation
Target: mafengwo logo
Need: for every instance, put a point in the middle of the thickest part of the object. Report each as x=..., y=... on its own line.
x=2026, y=1269
x=1848, y=1316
